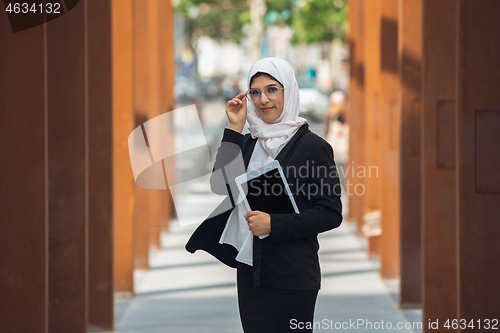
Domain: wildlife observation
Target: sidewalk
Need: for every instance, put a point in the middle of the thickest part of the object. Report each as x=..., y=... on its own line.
x=184, y=293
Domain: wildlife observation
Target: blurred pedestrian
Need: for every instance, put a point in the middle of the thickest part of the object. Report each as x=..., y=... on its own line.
x=336, y=131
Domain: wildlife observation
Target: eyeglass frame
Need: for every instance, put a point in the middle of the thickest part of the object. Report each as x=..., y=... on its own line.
x=260, y=92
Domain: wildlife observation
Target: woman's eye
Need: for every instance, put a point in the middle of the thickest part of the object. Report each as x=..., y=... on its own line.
x=273, y=89
x=255, y=92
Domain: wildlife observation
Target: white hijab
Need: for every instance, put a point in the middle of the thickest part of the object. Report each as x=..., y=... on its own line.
x=272, y=138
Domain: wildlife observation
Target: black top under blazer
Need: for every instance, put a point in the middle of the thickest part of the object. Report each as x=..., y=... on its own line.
x=288, y=258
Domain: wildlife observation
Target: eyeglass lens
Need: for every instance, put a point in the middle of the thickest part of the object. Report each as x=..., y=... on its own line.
x=271, y=92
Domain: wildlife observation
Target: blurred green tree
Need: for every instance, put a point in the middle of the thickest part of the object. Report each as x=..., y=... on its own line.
x=313, y=21
x=316, y=21
x=221, y=20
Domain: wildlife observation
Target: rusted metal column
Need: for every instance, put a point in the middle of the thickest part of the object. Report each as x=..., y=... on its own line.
x=123, y=124
x=438, y=162
x=478, y=161
x=410, y=59
x=24, y=181
x=373, y=117
x=167, y=79
x=68, y=172
x=390, y=126
x=141, y=106
x=354, y=184
x=153, y=76
x=100, y=148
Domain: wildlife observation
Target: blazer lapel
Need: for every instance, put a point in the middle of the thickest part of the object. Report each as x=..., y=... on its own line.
x=284, y=154
x=248, y=151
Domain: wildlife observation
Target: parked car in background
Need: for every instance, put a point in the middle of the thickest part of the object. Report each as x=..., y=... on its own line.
x=313, y=103
x=230, y=88
x=187, y=88
x=212, y=88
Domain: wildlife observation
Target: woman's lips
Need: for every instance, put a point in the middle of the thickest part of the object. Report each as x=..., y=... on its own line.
x=267, y=109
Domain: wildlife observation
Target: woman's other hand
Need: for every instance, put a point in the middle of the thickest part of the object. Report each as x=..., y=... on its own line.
x=236, y=110
x=259, y=222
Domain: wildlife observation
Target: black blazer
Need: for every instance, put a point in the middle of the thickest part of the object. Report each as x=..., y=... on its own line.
x=288, y=258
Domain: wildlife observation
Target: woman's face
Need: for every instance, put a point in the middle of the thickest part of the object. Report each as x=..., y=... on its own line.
x=269, y=109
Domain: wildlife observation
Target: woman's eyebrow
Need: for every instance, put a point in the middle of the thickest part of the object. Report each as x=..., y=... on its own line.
x=272, y=84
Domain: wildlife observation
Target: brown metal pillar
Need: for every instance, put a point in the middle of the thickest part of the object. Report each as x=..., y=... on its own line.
x=141, y=106
x=478, y=162
x=100, y=129
x=390, y=126
x=123, y=124
x=167, y=70
x=410, y=58
x=356, y=120
x=373, y=116
x=68, y=172
x=354, y=184
x=24, y=181
x=438, y=162
x=153, y=77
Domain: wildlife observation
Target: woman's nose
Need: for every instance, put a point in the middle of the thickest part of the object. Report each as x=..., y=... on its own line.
x=263, y=98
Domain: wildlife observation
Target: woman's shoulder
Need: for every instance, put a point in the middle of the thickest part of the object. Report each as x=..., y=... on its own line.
x=311, y=146
x=310, y=139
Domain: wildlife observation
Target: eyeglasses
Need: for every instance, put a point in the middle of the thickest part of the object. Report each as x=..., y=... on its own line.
x=271, y=92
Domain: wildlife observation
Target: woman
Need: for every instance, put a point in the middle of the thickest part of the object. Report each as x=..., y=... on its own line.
x=278, y=277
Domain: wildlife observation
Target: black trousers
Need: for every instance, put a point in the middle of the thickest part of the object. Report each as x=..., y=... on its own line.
x=271, y=310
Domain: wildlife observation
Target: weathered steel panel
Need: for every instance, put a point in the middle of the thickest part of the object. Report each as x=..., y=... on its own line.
x=68, y=172
x=100, y=153
x=478, y=154
x=410, y=59
x=141, y=100
x=373, y=116
x=438, y=184
x=390, y=128
x=23, y=201
x=487, y=151
x=446, y=134
x=356, y=116
x=123, y=124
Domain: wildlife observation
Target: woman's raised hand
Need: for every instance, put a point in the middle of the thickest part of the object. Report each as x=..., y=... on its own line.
x=236, y=110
